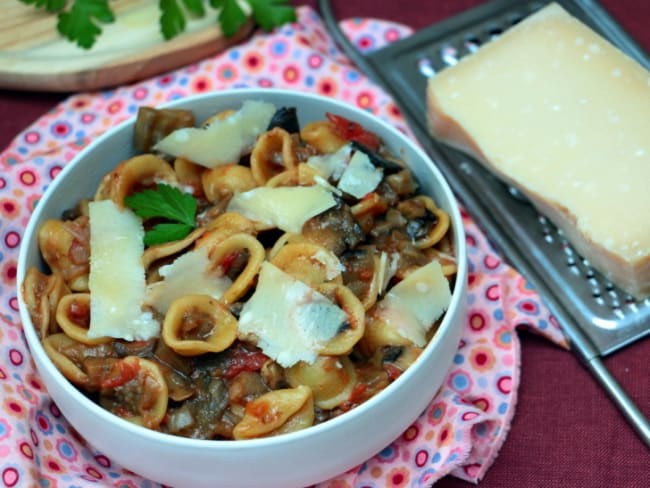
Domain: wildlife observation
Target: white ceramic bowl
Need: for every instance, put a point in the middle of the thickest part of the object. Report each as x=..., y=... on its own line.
x=291, y=460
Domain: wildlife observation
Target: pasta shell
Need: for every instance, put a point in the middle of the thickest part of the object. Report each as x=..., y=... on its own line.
x=331, y=379
x=55, y=346
x=135, y=390
x=73, y=316
x=277, y=412
x=440, y=220
x=189, y=174
x=273, y=153
x=288, y=177
x=222, y=181
x=379, y=333
x=283, y=240
x=224, y=226
x=349, y=335
x=168, y=249
x=221, y=254
x=322, y=135
x=41, y=294
x=310, y=263
x=143, y=171
x=197, y=324
x=65, y=247
x=362, y=274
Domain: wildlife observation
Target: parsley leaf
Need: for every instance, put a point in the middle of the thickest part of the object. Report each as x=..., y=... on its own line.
x=79, y=24
x=195, y=7
x=172, y=19
x=166, y=232
x=231, y=16
x=169, y=203
x=272, y=13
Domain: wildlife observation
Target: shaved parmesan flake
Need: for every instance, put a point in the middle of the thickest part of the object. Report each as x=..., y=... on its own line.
x=291, y=321
x=286, y=208
x=331, y=165
x=117, y=279
x=187, y=275
x=224, y=141
x=415, y=303
x=360, y=176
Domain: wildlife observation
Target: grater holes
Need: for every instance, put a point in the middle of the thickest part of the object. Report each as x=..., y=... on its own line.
x=494, y=32
x=425, y=67
x=449, y=55
x=472, y=44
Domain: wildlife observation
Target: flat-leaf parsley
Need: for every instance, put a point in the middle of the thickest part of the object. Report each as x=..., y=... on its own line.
x=80, y=20
x=165, y=202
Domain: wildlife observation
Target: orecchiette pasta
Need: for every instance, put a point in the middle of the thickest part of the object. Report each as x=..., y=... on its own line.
x=277, y=412
x=273, y=153
x=264, y=329
x=198, y=324
x=132, y=174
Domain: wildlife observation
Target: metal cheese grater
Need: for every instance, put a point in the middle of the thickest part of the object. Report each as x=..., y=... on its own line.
x=597, y=317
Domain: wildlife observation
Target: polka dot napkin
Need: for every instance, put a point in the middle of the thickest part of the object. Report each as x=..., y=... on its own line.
x=465, y=424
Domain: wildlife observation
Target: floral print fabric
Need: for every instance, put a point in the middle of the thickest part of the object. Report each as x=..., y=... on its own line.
x=465, y=424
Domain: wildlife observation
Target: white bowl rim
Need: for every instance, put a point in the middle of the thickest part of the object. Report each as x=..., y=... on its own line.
x=265, y=442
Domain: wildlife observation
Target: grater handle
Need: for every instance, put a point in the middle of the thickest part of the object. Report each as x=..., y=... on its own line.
x=580, y=343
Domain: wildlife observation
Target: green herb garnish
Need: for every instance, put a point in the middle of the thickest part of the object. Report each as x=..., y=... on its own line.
x=79, y=20
x=166, y=202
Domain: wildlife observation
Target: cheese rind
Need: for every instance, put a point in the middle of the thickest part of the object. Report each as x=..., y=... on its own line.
x=117, y=278
x=561, y=114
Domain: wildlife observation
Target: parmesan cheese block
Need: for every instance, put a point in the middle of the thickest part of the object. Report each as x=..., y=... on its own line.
x=561, y=114
x=290, y=320
x=284, y=207
x=117, y=279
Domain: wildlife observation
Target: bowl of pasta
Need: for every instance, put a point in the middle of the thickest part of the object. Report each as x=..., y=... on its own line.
x=245, y=285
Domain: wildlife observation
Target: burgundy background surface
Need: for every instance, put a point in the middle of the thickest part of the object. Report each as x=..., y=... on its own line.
x=566, y=432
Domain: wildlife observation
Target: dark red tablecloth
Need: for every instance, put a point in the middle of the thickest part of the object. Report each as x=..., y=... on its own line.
x=566, y=432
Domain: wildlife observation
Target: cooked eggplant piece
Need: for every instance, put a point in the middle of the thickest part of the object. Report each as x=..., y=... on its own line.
x=336, y=229
x=152, y=125
x=387, y=165
x=286, y=118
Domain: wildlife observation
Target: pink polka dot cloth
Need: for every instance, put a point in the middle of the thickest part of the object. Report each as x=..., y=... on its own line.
x=462, y=429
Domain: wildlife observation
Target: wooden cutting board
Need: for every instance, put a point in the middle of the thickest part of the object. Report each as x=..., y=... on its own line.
x=33, y=56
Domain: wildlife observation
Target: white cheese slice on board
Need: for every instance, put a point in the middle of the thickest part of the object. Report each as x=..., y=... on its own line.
x=117, y=278
x=291, y=321
x=224, y=141
x=286, y=208
x=561, y=114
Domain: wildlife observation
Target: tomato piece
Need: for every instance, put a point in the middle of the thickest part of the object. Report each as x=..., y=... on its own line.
x=228, y=260
x=393, y=371
x=121, y=373
x=244, y=360
x=353, y=131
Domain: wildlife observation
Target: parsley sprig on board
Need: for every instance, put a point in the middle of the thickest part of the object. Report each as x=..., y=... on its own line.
x=80, y=20
x=169, y=203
